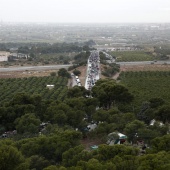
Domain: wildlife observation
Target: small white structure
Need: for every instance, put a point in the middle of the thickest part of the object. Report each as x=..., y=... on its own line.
x=116, y=138
x=21, y=55
x=4, y=56
x=78, y=80
x=154, y=121
x=50, y=86
x=91, y=127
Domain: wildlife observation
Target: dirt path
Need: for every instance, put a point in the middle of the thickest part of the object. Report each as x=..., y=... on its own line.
x=116, y=75
x=82, y=77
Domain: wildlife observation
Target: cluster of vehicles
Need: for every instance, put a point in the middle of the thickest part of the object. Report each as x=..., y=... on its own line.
x=92, y=70
x=78, y=81
x=8, y=134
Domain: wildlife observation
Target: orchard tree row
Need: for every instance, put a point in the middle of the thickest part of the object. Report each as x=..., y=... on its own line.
x=33, y=85
x=145, y=85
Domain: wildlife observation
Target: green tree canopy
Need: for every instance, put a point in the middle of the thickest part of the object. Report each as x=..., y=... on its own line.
x=27, y=123
x=77, y=91
x=159, y=161
x=133, y=128
x=161, y=143
x=63, y=73
x=109, y=93
x=163, y=114
x=53, y=73
x=38, y=162
x=77, y=72
x=10, y=158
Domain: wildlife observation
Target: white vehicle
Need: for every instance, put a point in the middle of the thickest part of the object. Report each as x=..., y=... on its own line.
x=78, y=80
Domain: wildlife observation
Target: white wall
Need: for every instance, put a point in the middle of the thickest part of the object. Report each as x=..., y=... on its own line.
x=3, y=58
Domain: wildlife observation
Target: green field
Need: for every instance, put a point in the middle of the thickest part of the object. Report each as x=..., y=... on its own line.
x=33, y=85
x=147, y=84
x=131, y=56
x=55, y=56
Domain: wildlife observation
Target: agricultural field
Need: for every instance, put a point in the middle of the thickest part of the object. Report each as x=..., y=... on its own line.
x=146, y=67
x=33, y=85
x=42, y=59
x=127, y=56
x=146, y=85
x=57, y=57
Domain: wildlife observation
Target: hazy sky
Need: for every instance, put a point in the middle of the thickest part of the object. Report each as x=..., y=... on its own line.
x=85, y=11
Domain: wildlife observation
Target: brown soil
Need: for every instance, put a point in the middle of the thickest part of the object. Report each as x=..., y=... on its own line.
x=83, y=69
x=153, y=67
x=102, y=69
x=20, y=74
x=142, y=68
x=82, y=77
x=87, y=143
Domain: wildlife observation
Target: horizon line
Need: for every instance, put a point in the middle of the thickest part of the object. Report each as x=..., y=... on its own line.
x=42, y=22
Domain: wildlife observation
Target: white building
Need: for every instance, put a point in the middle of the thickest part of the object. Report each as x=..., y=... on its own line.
x=4, y=56
x=21, y=55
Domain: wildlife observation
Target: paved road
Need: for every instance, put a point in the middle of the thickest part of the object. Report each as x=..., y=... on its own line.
x=51, y=67
x=93, y=67
x=23, y=68
x=143, y=62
